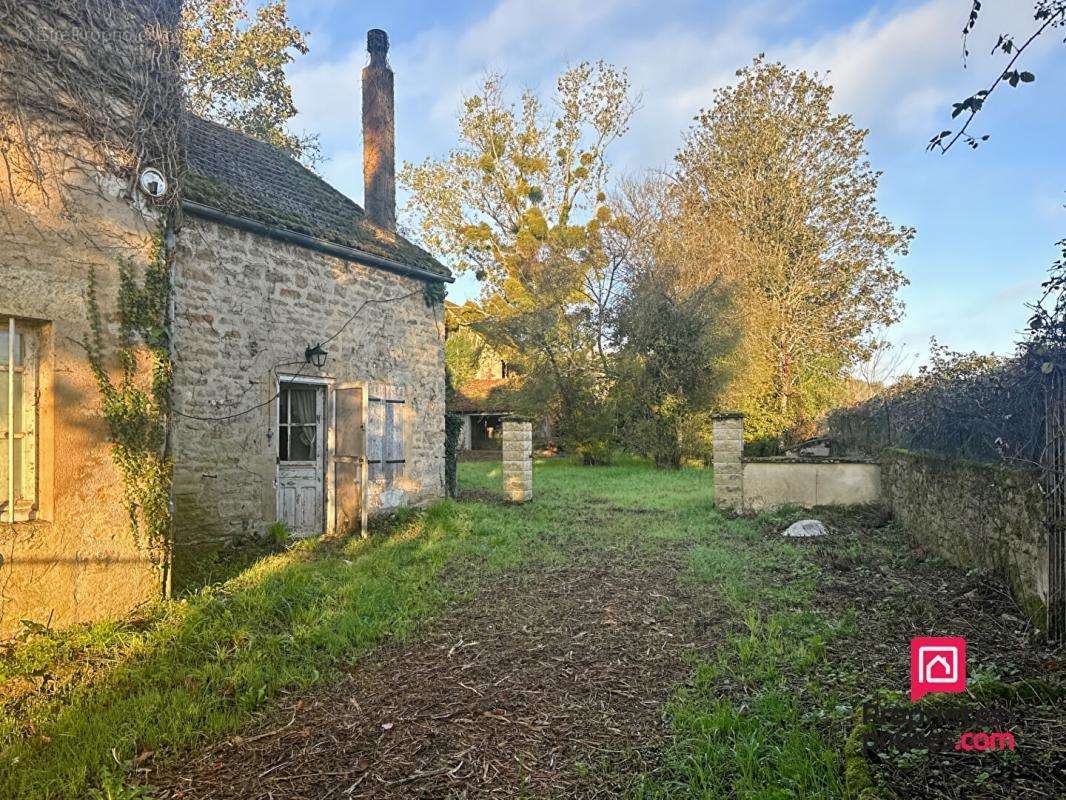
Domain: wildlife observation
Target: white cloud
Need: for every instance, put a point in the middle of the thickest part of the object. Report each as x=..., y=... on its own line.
x=897, y=73
x=327, y=94
x=901, y=73
x=516, y=30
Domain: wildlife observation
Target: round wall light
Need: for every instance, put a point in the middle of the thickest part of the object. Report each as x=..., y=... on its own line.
x=153, y=183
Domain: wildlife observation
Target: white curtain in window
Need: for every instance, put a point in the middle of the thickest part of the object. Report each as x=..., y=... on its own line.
x=304, y=414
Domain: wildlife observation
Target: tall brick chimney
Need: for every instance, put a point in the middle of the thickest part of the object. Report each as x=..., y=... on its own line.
x=379, y=134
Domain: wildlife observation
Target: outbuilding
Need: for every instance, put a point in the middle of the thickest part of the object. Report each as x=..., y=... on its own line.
x=302, y=338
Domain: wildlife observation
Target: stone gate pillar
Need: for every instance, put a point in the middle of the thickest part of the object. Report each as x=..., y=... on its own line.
x=728, y=467
x=518, y=460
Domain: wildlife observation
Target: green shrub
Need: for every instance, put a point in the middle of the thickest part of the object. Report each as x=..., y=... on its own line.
x=594, y=453
x=961, y=405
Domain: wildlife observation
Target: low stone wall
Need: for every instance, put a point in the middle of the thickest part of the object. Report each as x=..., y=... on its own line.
x=974, y=515
x=757, y=484
x=518, y=460
x=769, y=483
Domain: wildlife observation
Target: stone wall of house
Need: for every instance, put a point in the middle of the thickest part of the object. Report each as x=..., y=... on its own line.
x=246, y=307
x=975, y=515
x=79, y=560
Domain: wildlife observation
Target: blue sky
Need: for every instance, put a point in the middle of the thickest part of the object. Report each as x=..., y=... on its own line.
x=987, y=221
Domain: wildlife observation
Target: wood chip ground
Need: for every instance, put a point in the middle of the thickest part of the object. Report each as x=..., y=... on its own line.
x=545, y=683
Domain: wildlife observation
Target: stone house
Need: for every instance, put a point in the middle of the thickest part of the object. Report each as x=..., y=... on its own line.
x=306, y=343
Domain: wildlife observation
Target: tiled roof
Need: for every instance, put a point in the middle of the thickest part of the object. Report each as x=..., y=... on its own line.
x=241, y=176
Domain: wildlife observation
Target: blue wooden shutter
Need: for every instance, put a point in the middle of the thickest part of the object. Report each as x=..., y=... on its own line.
x=394, y=433
x=375, y=433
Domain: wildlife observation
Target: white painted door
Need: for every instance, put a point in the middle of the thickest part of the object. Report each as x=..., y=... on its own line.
x=301, y=462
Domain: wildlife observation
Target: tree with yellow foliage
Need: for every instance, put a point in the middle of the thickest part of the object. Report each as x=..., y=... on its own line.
x=521, y=203
x=779, y=203
x=233, y=69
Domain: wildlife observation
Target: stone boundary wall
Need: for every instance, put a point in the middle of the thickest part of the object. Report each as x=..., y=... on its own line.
x=518, y=460
x=974, y=515
x=763, y=483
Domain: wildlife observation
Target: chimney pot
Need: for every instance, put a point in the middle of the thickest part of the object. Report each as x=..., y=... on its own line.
x=379, y=133
x=377, y=41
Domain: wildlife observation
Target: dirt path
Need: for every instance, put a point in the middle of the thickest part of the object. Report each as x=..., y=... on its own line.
x=549, y=682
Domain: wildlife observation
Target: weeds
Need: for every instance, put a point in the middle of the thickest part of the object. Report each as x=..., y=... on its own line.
x=810, y=629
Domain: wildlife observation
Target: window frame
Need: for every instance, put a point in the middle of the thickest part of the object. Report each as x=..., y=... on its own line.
x=285, y=387
x=20, y=501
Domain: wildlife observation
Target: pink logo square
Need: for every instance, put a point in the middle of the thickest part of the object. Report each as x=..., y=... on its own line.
x=938, y=664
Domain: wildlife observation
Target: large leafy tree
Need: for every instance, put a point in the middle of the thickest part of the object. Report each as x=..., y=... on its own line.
x=521, y=202
x=777, y=191
x=233, y=65
x=464, y=349
x=671, y=332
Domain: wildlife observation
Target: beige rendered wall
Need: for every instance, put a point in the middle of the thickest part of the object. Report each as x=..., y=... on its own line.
x=79, y=561
x=244, y=304
x=768, y=484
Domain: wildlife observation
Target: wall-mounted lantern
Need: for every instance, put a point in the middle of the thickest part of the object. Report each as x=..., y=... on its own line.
x=316, y=355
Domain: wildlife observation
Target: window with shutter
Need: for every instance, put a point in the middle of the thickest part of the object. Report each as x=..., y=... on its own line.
x=385, y=434
x=349, y=471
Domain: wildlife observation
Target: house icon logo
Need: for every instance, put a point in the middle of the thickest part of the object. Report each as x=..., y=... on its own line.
x=938, y=664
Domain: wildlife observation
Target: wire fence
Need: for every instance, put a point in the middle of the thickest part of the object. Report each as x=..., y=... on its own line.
x=996, y=410
x=1053, y=478
x=979, y=408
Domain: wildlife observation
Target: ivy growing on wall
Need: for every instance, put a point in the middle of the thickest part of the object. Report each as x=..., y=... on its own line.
x=107, y=105
x=137, y=406
x=453, y=429
x=434, y=293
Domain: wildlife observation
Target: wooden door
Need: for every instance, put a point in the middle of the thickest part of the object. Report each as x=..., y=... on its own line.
x=301, y=457
x=349, y=458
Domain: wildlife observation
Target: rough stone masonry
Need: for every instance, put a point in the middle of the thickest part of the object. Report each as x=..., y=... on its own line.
x=234, y=325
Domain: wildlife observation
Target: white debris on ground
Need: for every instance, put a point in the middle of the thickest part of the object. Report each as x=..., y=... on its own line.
x=805, y=528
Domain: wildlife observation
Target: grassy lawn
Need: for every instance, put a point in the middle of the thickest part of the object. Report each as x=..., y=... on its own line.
x=80, y=704
x=809, y=630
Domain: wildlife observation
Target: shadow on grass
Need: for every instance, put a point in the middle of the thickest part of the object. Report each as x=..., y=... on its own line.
x=94, y=699
x=195, y=669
